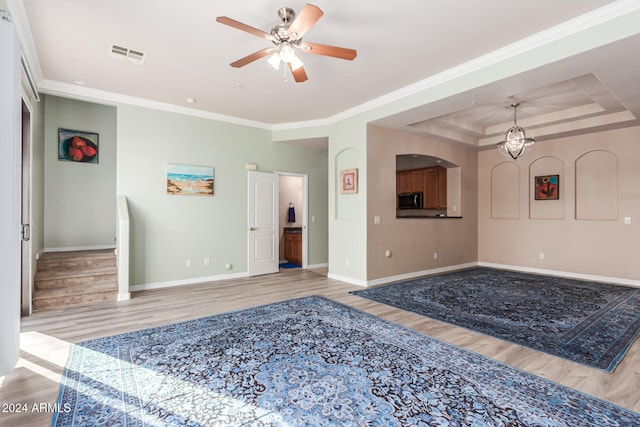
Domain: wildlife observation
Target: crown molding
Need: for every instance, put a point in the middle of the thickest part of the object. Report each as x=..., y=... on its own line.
x=616, y=10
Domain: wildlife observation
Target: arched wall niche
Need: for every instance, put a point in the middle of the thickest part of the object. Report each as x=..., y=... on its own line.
x=346, y=206
x=597, y=185
x=505, y=191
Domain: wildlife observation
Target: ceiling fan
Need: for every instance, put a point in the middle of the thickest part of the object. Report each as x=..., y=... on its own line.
x=287, y=37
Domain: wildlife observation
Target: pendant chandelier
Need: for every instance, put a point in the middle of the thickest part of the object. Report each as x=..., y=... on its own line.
x=515, y=142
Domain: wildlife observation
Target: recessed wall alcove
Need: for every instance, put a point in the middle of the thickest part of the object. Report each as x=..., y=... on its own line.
x=597, y=185
x=346, y=205
x=505, y=191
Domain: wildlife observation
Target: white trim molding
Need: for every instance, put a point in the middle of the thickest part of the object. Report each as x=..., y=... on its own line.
x=416, y=274
x=192, y=281
x=565, y=274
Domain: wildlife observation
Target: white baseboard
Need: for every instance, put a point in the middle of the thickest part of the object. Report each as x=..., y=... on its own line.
x=324, y=265
x=158, y=285
x=565, y=274
x=79, y=248
x=346, y=279
x=167, y=284
x=413, y=275
x=390, y=279
x=124, y=297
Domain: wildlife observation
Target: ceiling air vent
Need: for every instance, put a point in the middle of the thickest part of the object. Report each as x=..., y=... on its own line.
x=124, y=53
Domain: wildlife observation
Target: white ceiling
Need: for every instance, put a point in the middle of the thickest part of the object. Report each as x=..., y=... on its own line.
x=188, y=56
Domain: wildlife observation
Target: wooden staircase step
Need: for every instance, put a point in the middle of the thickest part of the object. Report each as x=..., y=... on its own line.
x=57, y=261
x=74, y=295
x=57, y=279
x=74, y=278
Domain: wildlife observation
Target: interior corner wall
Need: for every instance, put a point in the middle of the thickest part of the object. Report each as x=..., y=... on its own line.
x=561, y=241
x=167, y=230
x=413, y=241
x=80, y=198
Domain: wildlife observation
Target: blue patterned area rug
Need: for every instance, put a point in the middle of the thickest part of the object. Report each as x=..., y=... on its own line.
x=590, y=323
x=307, y=362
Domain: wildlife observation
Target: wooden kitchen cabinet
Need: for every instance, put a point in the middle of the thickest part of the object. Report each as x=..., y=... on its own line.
x=432, y=182
x=409, y=181
x=416, y=181
x=403, y=182
x=293, y=247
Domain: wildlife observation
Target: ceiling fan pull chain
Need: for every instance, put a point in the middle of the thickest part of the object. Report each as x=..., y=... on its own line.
x=284, y=74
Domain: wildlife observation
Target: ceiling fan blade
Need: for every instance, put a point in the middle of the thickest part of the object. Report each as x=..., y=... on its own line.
x=308, y=16
x=334, y=51
x=253, y=57
x=299, y=75
x=243, y=27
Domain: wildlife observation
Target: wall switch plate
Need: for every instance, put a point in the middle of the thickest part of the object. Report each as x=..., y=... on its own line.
x=627, y=220
x=188, y=263
x=206, y=261
x=376, y=219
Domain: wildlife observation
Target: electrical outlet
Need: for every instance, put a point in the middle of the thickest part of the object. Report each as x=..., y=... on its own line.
x=188, y=263
x=376, y=219
x=435, y=255
x=206, y=261
x=540, y=255
x=347, y=262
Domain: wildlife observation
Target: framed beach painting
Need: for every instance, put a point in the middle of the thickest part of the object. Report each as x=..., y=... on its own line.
x=77, y=146
x=349, y=181
x=190, y=180
x=547, y=187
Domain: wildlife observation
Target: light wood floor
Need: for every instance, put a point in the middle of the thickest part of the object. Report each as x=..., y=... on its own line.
x=46, y=337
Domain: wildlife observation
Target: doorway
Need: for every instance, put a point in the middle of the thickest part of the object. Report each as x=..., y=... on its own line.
x=263, y=228
x=293, y=213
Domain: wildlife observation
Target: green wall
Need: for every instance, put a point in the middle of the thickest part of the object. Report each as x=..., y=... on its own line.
x=168, y=230
x=79, y=198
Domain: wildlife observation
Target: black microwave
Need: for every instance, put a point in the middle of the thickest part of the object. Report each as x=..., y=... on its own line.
x=410, y=200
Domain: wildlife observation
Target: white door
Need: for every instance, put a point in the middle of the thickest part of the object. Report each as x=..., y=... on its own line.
x=262, y=224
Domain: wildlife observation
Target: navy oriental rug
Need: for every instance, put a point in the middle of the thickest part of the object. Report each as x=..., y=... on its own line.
x=307, y=362
x=590, y=323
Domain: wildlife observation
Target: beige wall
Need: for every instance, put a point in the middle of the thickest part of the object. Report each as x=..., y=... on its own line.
x=414, y=241
x=514, y=229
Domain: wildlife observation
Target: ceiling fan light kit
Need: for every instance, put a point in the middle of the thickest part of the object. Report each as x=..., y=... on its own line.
x=515, y=142
x=287, y=36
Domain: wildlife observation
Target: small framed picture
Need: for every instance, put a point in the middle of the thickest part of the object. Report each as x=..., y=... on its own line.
x=349, y=181
x=547, y=187
x=190, y=180
x=77, y=146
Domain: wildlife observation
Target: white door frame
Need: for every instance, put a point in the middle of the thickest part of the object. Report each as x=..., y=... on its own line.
x=305, y=213
x=27, y=218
